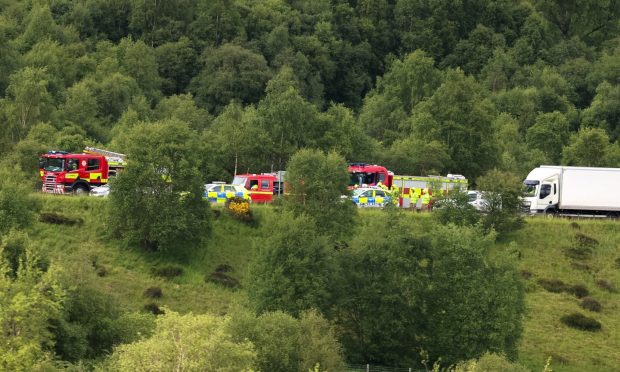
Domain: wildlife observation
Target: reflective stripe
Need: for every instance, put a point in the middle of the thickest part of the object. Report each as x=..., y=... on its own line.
x=94, y=176
x=71, y=176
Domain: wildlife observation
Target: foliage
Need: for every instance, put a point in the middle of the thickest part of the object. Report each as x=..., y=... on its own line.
x=316, y=182
x=32, y=299
x=17, y=206
x=186, y=342
x=284, y=343
x=489, y=362
x=455, y=209
x=293, y=270
x=404, y=291
x=239, y=208
x=503, y=193
x=157, y=200
x=582, y=322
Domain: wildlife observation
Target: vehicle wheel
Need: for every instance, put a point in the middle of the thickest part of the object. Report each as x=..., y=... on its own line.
x=550, y=213
x=80, y=190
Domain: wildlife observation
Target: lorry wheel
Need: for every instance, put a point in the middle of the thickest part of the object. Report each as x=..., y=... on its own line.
x=550, y=213
x=80, y=190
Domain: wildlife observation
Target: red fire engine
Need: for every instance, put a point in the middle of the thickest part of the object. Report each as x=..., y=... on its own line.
x=261, y=187
x=62, y=172
x=363, y=174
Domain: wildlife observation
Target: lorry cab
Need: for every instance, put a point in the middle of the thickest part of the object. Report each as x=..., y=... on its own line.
x=542, y=190
x=260, y=186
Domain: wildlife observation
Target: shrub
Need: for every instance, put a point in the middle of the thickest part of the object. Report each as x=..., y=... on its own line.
x=153, y=292
x=585, y=241
x=168, y=272
x=153, y=308
x=575, y=225
x=223, y=268
x=526, y=274
x=591, y=304
x=239, y=208
x=578, y=253
x=618, y=262
x=580, y=266
x=582, y=322
x=552, y=285
x=579, y=290
x=219, y=277
x=606, y=285
x=59, y=219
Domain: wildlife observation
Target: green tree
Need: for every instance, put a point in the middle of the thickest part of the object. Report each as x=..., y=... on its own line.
x=503, y=193
x=603, y=113
x=455, y=209
x=31, y=300
x=17, y=207
x=405, y=290
x=186, y=342
x=316, y=183
x=157, y=201
x=31, y=101
x=590, y=147
x=293, y=270
x=549, y=134
x=459, y=115
x=230, y=72
x=178, y=63
x=413, y=155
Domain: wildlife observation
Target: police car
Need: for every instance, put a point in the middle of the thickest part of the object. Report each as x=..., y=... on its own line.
x=219, y=192
x=371, y=197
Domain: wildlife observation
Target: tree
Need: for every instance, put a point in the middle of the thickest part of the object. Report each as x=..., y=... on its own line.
x=157, y=200
x=284, y=343
x=503, y=194
x=186, y=342
x=404, y=290
x=590, y=147
x=603, y=112
x=316, y=183
x=31, y=300
x=178, y=63
x=459, y=115
x=549, y=134
x=230, y=72
x=31, y=101
x=17, y=207
x=293, y=270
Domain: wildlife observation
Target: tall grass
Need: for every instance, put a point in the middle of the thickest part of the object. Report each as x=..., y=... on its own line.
x=541, y=247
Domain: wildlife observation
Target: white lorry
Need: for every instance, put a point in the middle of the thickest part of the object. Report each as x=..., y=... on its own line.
x=573, y=191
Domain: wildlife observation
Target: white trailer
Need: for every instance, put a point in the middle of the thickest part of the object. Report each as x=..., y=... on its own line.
x=573, y=191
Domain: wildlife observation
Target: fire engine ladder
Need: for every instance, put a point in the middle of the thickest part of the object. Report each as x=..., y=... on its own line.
x=115, y=158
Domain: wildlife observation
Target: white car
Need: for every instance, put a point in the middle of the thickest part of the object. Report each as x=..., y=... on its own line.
x=477, y=200
x=100, y=191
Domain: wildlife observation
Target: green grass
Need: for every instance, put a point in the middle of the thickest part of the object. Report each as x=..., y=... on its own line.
x=540, y=244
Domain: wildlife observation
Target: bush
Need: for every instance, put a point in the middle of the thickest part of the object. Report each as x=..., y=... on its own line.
x=239, y=209
x=456, y=210
x=553, y=285
x=153, y=308
x=582, y=322
x=585, y=241
x=606, y=285
x=591, y=304
x=579, y=290
x=503, y=192
x=526, y=274
x=168, y=272
x=17, y=206
x=578, y=253
x=219, y=277
x=153, y=292
x=59, y=219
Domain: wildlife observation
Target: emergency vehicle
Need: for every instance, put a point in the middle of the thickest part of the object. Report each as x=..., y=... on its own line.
x=219, y=192
x=411, y=188
x=63, y=172
x=261, y=187
x=371, y=197
x=364, y=175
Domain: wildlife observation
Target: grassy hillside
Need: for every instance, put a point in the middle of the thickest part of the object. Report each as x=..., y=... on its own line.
x=573, y=252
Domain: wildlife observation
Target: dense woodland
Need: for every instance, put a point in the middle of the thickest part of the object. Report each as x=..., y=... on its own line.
x=459, y=86
x=203, y=88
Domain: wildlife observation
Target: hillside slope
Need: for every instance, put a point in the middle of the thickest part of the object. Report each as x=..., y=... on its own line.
x=573, y=252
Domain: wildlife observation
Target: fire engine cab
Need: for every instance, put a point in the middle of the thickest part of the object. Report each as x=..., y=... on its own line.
x=364, y=175
x=260, y=186
x=62, y=172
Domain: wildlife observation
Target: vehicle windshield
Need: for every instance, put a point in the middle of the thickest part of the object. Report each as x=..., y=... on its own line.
x=473, y=197
x=52, y=164
x=357, y=192
x=363, y=178
x=530, y=188
x=239, y=181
